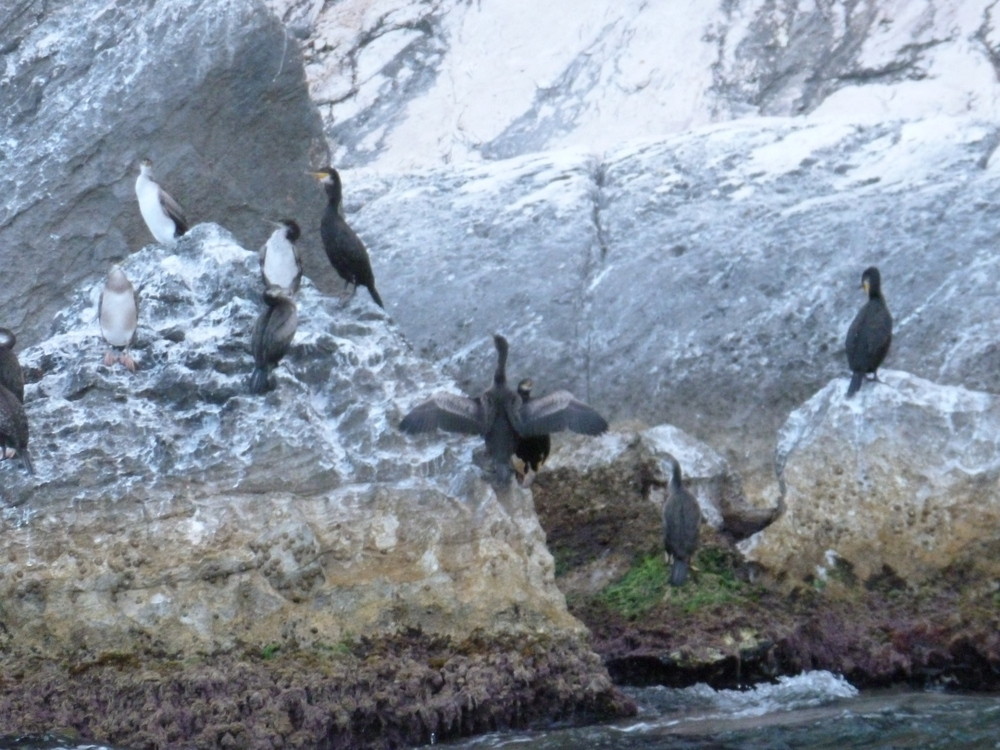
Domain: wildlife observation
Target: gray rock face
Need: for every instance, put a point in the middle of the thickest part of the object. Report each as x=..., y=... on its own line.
x=171, y=508
x=707, y=280
x=900, y=479
x=213, y=93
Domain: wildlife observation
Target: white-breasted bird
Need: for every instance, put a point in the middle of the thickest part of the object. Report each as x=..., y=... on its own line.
x=118, y=311
x=161, y=212
x=280, y=260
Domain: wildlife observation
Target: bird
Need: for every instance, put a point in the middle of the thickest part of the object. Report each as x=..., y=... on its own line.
x=681, y=519
x=870, y=334
x=501, y=417
x=163, y=216
x=280, y=261
x=529, y=452
x=272, y=335
x=118, y=311
x=344, y=248
x=11, y=375
x=14, y=428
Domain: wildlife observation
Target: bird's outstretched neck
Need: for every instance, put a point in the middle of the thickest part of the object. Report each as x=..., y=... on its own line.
x=500, y=376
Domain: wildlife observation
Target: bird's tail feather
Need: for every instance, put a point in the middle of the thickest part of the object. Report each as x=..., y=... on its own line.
x=678, y=572
x=375, y=296
x=258, y=380
x=26, y=460
x=856, y=380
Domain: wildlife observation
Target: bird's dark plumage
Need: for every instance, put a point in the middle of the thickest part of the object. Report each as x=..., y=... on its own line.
x=14, y=428
x=280, y=262
x=11, y=375
x=344, y=248
x=272, y=336
x=870, y=334
x=681, y=519
x=530, y=452
x=501, y=417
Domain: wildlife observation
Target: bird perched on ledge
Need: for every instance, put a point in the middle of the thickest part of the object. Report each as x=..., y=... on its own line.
x=161, y=213
x=681, y=521
x=11, y=375
x=530, y=452
x=344, y=248
x=14, y=428
x=870, y=334
x=502, y=417
x=272, y=336
x=118, y=312
x=280, y=262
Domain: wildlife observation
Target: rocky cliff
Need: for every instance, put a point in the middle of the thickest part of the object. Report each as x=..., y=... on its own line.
x=175, y=516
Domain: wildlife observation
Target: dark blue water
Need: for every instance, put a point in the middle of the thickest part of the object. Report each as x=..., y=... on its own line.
x=816, y=710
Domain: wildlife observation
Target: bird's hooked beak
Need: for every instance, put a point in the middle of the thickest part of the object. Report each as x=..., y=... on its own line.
x=865, y=285
x=319, y=175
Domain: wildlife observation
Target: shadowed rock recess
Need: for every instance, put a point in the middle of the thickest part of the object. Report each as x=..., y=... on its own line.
x=290, y=566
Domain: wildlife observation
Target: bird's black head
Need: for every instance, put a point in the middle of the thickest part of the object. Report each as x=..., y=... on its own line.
x=330, y=179
x=7, y=338
x=871, y=282
x=524, y=389
x=292, y=231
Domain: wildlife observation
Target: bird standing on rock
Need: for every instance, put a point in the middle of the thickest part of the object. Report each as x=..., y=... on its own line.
x=118, y=311
x=501, y=416
x=530, y=452
x=344, y=248
x=272, y=336
x=280, y=261
x=681, y=520
x=161, y=213
x=870, y=334
x=11, y=375
x=14, y=428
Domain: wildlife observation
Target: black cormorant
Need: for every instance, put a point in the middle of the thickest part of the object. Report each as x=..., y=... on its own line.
x=272, y=335
x=280, y=261
x=681, y=519
x=343, y=247
x=11, y=375
x=118, y=311
x=530, y=452
x=163, y=216
x=14, y=428
x=870, y=334
x=501, y=417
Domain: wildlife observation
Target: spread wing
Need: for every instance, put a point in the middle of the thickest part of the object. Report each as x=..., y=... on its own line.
x=174, y=211
x=447, y=412
x=559, y=411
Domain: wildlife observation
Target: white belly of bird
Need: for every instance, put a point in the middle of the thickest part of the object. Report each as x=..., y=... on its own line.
x=279, y=264
x=161, y=225
x=118, y=317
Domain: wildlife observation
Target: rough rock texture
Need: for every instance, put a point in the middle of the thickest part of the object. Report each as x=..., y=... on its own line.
x=706, y=280
x=173, y=515
x=900, y=480
x=213, y=93
x=404, y=82
x=729, y=626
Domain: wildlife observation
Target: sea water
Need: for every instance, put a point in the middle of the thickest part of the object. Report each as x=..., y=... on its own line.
x=816, y=710
x=812, y=710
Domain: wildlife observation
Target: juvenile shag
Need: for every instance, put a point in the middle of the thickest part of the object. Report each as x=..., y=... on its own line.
x=280, y=261
x=118, y=311
x=344, y=248
x=501, y=417
x=11, y=375
x=161, y=213
x=870, y=334
x=530, y=452
x=681, y=519
x=14, y=428
x=272, y=336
